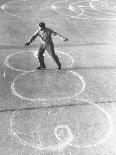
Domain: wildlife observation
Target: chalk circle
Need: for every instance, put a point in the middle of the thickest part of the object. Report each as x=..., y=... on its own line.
x=48, y=85
x=31, y=10
x=80, y=124
x=27, y=61
x=63, y=133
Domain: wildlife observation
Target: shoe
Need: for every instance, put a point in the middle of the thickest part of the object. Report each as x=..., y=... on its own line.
x=59, y=67
x=41, y=68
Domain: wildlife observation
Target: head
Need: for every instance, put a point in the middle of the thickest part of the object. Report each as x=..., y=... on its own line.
x=41, y=26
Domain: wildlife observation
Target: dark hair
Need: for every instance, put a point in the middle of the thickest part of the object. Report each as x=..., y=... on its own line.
x=42, y=24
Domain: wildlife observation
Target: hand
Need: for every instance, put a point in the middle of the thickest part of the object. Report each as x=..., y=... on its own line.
x=65, y=39
x=27, y=44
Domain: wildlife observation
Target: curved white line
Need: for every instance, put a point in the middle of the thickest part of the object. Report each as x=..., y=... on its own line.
x=80, y=16
x=69, y=138
x=18, y=16
x=63, y=145
x=44, y=99
x=55, y=147
x=110, y=130
x=34, y=53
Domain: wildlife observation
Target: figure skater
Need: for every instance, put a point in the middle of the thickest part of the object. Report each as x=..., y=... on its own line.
x=46, y=44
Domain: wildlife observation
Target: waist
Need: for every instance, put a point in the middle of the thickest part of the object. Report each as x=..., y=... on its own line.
x=46, y=41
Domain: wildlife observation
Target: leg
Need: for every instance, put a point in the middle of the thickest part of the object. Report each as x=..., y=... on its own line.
x=50, y=50
x=41, y=57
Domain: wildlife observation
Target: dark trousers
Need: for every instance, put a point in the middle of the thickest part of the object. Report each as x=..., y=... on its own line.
x=50, y=50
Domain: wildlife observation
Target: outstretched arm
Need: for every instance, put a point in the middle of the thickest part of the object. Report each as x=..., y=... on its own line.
x=59, y=35
x=32, y=38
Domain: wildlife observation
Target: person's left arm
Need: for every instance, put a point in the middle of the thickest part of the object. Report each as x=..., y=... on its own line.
x=59, y=35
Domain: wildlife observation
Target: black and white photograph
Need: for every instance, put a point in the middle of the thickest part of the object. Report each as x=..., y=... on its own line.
x=57, y=77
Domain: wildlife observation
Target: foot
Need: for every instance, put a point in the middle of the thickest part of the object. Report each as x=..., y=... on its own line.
x=59, y=67
x=41, y=68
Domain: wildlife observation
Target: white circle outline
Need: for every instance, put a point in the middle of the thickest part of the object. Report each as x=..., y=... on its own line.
x=6, y=62
x=70, y=138
x=62, y=146
x=44, y=99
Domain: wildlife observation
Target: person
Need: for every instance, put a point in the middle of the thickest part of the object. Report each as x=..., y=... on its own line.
x=46, y=44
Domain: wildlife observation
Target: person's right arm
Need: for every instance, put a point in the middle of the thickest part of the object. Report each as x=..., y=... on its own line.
x=32, y=38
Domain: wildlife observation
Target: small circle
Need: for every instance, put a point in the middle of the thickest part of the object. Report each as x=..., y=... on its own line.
x=48, y=85
x=28, y=61
x=79, y=124
x=63, y=133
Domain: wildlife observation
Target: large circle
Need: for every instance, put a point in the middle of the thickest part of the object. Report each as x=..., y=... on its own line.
x=79, y=124
x=27, y=61
x=48, y=85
